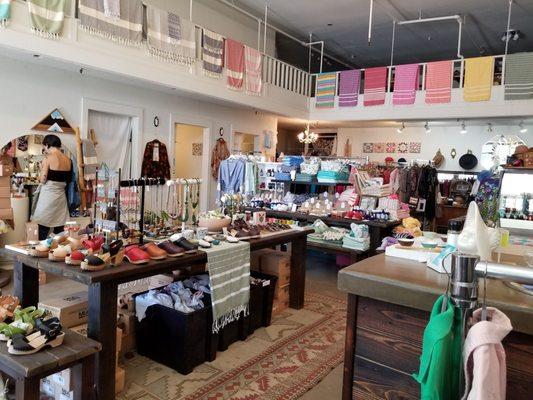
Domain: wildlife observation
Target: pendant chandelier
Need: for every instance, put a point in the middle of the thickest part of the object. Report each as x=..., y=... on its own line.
x=307, y=136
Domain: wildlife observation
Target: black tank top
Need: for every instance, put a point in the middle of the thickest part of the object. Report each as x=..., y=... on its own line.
x=59, y=176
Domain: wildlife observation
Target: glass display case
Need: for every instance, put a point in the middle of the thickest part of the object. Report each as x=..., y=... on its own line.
x=516, y=200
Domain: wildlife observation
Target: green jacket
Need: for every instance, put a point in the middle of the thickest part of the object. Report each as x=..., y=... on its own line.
x=440, y=362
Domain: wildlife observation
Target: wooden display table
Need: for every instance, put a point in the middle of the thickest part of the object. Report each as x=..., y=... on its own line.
x=103, y=287
x=76, y=351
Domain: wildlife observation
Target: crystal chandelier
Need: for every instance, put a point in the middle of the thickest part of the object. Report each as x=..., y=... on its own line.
x=307, y=137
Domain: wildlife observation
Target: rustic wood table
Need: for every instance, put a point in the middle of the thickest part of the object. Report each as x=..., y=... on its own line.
x=76, y=351
x=103, y=290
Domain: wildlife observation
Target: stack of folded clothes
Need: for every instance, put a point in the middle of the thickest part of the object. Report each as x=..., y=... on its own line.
x=282, y=176
x=332, y=177
x=292, y=161
x=304, y=178
x=377, y=190
x=310, y=166
x=357, y=239
x=326, y=234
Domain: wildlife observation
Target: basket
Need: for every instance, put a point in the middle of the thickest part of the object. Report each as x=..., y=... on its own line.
x=527, y=158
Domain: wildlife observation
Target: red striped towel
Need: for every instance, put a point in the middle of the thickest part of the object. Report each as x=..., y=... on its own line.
x=375, y=83
x=235, y=64
x=405, y=84
x=252, y=59
x=439, y=82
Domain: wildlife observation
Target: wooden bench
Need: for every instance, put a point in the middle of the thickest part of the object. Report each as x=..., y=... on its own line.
x=76, y=351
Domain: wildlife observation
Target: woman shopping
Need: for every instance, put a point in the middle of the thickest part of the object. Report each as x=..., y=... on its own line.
x=51, y=210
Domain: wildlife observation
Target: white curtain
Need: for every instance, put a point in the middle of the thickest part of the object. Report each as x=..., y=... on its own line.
x=112, y=133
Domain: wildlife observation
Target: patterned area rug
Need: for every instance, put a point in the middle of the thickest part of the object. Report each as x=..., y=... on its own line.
x=280, y=362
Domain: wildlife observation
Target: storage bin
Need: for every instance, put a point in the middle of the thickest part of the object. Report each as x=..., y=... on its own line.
x=261, y=301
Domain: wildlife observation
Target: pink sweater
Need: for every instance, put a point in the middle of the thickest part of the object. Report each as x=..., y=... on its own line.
x=484, y=356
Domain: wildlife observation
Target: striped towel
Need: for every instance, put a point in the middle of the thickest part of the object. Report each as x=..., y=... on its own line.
x=125, y=30
x=46, y=17
x=164, y=37
x=375, y=83
x=213, y=53
x=439, y=82
x=235, y=64
x=478, y=78
x=112, y=8
x=229, y=279
x=326, y=84
x=90, y=160
x=253, y=64
x=349, y=82
x=5, y=12
x=519, y=76
x=405, y=84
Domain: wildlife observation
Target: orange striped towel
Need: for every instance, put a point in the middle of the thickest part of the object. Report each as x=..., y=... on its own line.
x=479, y=73
x=439, y=82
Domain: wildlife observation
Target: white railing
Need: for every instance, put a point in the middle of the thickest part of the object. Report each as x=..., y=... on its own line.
x=285, y=76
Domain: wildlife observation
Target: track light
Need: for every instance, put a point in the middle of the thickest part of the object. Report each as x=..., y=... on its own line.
x=401, y=129
x=463, y=128
x=489, y=129
x=427, y=128
x=523, y=129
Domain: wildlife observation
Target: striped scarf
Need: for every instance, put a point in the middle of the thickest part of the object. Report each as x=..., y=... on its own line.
x=439, y=82
x=478, y=78
x=519, y=76
x=127, y=29
x=5, y=12
x=375, y=83
x=46, y=17
x=212, y=53
x=326, y=84
x=253, y=64
x=349, y=83
x=235, y=64
x=405, y=84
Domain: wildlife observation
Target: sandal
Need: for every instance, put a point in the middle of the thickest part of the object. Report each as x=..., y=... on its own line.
x=48, y=335
x=24, y=323
x=59, y=253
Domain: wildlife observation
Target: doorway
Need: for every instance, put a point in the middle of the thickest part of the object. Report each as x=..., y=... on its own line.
x=188, y=151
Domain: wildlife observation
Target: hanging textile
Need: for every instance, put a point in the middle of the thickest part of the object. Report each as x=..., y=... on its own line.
x=439, y=82
x=46, y=17
x=488, y=199
x=112, y=8
x=231, y=175
x=478, y=78
x=519, y=76
x=375, y=84
x=125, y=30
x=155, y=161
x=167, y=37
x=405, y=84
x=90, y=159
x=212, y=53
x=235, y=64
x=253, y=63
x=325, y=89
x=220, y=153
x=484, y=356
x=5, y=12
x=349, y=83
x=441, y=354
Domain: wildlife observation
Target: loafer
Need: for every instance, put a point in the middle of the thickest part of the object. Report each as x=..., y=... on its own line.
x=135, y=255
x=186, y=245
x=154, y=251
x=171, y=249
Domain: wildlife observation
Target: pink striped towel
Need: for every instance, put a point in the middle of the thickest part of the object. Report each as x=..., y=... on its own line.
x=349, y=88
x=252, y=61
x=375, y=83
x=405, y=84
x=439, y=82
x=235, y=64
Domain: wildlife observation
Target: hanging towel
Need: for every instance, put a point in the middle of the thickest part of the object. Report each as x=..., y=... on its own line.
x=125, y=30
x=212, y=53
x=112, y=8
x=478, y=78
x=5, y=12
x=484, y=356
x=164, y=36
x=187, y=40
x=441, y=354
x=439, y=82
x=375, y=84
x=229, y=279
x=405, y=84
x=235, y=64
x=519, y=76
x=349, y=82
x=90, y=160
x=326, y=84
x=46, y=17
x=253, y=64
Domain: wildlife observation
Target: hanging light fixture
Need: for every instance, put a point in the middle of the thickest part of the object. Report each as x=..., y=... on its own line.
x=523, y=129
x=427, y=128
x=463, y=128
x=307, y=136
x=401, y=128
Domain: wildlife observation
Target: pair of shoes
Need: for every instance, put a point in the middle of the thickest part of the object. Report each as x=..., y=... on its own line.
x=48, y=334
x=113, y=254
x=23, y=322
x=94, y=244
x=171, y=249
x=186, y=245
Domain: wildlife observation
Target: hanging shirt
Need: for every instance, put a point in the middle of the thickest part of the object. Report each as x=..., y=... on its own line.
x=250, y=181
x=155, y=161
x=231, y=176
x=441, y=354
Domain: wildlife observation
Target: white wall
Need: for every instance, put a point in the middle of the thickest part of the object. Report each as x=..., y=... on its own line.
x=444, y=138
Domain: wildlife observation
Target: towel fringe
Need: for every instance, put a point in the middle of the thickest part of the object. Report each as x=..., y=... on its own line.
x=237, y=89
x=106, y=35
x=212, y=74
x=44, y=34
x=230, y=316
x=165, y=55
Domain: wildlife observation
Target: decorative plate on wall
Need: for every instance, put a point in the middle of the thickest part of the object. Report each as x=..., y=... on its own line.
x=391, y=147
x=197, y=149
x=414, y=147
x=368, y=147
x=402, y=147
x=379, y=147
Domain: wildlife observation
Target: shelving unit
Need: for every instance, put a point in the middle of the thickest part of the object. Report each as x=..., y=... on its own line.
x=267, y=180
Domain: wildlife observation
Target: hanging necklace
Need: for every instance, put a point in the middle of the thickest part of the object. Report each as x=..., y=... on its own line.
x=185, y=215
x=195, y=201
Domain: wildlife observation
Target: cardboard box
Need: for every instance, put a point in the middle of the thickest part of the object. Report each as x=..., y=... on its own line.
x=63, y=379
x=5, y=192
x=255, y=258
x=282, y=292
x=126, y=322
x=6, y=213
x=32, y=230
x=277, y=263
x=120, y=380
x=71, y=310
x=63, y=394
x=5, y=181
x=279, y=306
x=5, y=202
x=6, y=170
x=157, y=281
x=48, y=387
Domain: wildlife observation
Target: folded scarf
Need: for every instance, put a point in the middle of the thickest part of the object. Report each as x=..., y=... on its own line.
x=375, y=83
x=349, y=88
x=253, y=64
x=235, y=64
x=164, y=36
x=5, y=12
x=212, y=53
x=478, y=78
x=519, y=76
x=405, y=84
x=112, y=8
x=439, y=82
x=46, y=17
x=127, y=29
x=326, y=84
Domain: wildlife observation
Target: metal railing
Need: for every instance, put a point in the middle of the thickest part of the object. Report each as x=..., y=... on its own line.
x=285, y=76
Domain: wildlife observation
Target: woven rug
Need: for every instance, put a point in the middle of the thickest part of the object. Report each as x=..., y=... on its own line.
x=280, y=362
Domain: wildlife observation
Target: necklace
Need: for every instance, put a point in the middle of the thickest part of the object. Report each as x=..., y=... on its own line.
x=195, y=201
x=184, y=217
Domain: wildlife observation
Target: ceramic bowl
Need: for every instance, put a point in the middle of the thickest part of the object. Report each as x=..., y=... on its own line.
x=406, y=242
x=214, y=224
x=430, y=235
x=429, y=245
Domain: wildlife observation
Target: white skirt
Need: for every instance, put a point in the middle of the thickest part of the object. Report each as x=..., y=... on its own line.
x=52, y=208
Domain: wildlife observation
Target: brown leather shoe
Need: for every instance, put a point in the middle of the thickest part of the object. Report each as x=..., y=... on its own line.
x=171, y=249
x=155, y=252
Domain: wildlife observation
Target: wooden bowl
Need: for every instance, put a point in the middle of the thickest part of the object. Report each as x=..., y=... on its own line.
x=214, y=224
x=406, y=242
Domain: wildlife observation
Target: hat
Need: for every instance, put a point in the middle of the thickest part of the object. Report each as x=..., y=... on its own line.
x=389, y=159
x=468, y=161
x=521, y=149
x=438, y=159
x=402, y=160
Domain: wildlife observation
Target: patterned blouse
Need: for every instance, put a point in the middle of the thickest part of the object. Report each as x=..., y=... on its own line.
x=155, y=161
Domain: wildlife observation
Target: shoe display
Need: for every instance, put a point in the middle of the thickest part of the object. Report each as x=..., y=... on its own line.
x=94, y=244
x=49, y=334
x=76, y=257
x=155, y=252
x=185, y=244
x=171, y=249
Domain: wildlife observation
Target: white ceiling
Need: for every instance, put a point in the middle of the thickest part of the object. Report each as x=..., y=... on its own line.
x=485, y=22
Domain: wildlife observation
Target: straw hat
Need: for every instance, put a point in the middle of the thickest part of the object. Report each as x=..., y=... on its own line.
x=438, y=159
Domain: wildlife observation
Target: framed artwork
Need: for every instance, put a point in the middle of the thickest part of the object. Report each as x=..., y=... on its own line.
x=326, y=145
x=197, y=149
x=54, y=122
x=368, y=147
x=391, y=147
x=414, y=147
x=403, y=147
x=379, y=148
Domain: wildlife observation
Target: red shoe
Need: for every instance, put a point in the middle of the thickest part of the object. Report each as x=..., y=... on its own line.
x=75, y=258
x=94, y=244
x=135, y=255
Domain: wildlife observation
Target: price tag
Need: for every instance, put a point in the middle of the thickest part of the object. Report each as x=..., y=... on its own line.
x=155, y=154
x=294, y=208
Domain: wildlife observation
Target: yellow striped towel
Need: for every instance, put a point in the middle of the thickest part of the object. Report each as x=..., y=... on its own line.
x=479, y=73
